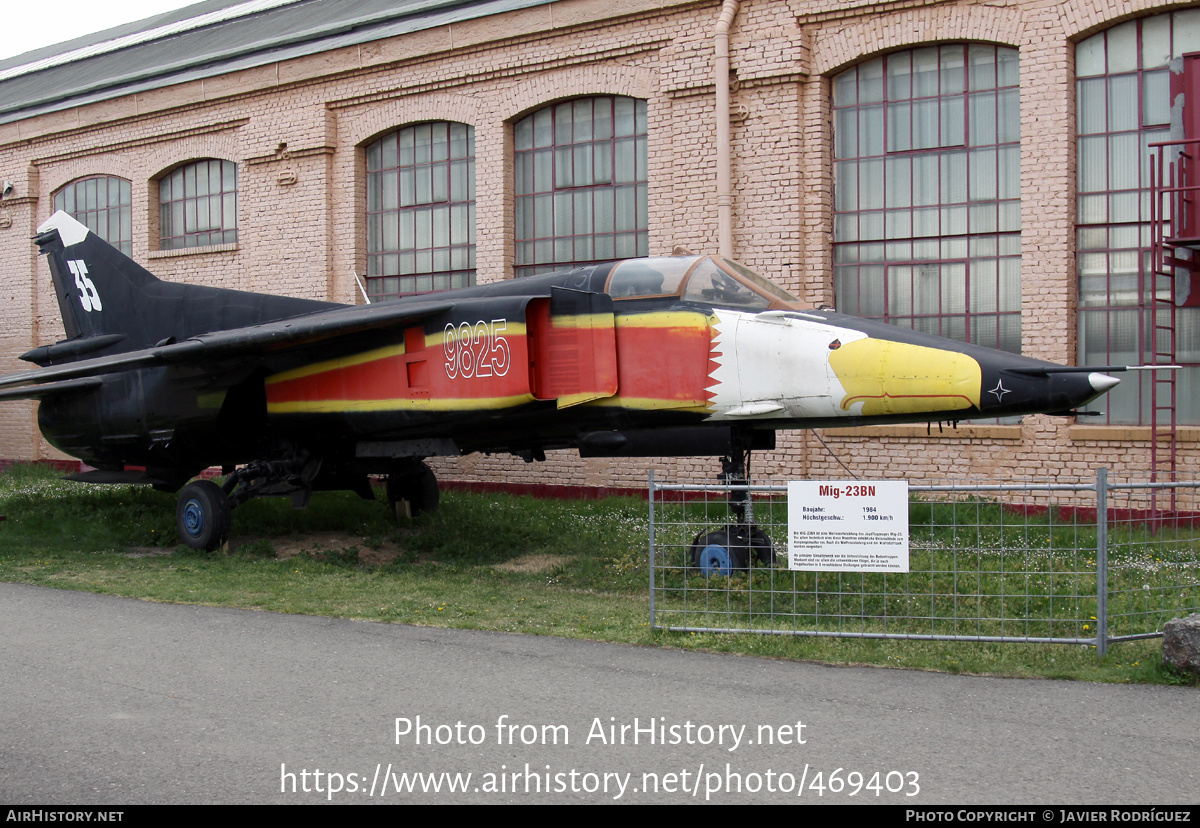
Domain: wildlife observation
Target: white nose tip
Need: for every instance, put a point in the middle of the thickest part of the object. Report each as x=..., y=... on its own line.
x=1102, y=382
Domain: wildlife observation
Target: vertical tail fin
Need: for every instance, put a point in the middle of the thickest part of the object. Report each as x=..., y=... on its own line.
x=111, y=304
x=97, y=286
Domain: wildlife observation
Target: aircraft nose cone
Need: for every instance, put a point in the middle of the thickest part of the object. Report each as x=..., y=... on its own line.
x=1028, y=391
x=1102, y=382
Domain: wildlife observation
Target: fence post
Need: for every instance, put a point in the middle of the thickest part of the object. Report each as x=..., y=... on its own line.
x=1101, y=562
x=651, y=497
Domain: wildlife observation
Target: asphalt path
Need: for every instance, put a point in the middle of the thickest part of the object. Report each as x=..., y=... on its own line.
x=114, y=701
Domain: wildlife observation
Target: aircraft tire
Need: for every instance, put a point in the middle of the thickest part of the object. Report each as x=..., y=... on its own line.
x=203, y=515
x=760, y=544
x=418, y=486
x=713, y=554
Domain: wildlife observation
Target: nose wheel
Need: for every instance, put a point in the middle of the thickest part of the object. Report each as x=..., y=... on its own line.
x=725, y=551
x=713, y=554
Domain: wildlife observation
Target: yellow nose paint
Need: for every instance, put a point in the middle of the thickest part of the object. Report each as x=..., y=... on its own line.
x=898, y=378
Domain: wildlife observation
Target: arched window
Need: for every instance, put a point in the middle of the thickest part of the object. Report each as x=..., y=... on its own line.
x=102, y=203
x=581, y=184
x=197, y=205
x=1123, y=100
x=927, y=227
x=421, y=210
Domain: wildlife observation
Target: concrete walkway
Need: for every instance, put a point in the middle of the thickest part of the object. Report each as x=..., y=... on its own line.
x=118, y=701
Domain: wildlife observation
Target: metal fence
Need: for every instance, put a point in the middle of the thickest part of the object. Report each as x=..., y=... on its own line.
x=1096, y=561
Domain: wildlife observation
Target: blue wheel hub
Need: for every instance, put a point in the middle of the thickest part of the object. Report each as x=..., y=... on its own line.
x=193, y=518
x=714, y=560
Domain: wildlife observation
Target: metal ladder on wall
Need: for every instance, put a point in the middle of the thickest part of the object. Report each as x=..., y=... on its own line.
x=1175, y=240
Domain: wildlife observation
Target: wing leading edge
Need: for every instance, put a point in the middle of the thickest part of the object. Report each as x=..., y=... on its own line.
x=252, y=343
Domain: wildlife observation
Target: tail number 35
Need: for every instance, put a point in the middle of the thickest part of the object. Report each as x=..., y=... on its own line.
x=477, y=350
x=88, y=297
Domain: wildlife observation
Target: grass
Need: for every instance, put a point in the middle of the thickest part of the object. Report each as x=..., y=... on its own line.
x=492, y=562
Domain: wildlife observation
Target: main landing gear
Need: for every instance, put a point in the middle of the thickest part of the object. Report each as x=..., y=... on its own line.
x=412, y=490
x=732, y=548
x=203, y=513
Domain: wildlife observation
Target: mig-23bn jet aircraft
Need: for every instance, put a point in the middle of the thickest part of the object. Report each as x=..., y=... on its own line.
x=689, y=355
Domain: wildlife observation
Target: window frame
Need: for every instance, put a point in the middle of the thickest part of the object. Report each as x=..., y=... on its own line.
x=420, y=192
x=887, y=218
x=182, y=190
x=99, y=217
x=1114, y=270
x=571, y=211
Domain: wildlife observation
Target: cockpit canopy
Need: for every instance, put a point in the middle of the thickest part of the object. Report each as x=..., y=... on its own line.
x=704, y=280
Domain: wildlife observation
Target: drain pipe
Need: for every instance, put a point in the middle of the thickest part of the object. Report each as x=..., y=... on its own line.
x=729, y=11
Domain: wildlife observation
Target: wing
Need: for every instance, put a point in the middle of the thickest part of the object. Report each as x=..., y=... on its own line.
x=252, y=343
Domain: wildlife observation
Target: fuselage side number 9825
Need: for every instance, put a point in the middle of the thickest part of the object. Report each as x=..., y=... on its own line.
x=477, y=350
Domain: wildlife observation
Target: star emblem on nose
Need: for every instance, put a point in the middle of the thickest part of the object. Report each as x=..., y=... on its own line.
x=999, y=390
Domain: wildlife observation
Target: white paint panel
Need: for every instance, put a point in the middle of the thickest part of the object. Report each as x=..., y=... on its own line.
x=69, y=230
x=780, y=360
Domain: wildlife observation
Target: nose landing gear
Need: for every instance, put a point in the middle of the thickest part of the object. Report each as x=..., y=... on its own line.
x=723, y=551
x=734, y=547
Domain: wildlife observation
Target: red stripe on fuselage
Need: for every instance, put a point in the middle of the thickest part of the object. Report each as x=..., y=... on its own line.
x=661, y=356
x=665, y=362
x=422, y=375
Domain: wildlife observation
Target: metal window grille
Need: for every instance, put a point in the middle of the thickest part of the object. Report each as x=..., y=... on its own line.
x=421, y=210
x=1123, y=100
x=581, y=184
x=927, y=192
x=104, y=204
x=198, y=205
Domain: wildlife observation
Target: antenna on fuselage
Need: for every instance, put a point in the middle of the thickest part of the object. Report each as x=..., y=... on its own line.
x=361, y=287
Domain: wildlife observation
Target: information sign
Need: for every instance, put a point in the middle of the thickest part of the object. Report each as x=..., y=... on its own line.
x=848, y=525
